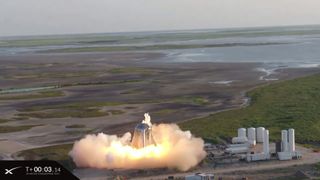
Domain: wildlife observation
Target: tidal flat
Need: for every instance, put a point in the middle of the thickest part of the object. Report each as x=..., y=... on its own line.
x=111, y=100
x=54, y=91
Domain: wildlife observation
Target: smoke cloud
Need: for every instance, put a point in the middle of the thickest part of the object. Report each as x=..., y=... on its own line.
x=174, y=149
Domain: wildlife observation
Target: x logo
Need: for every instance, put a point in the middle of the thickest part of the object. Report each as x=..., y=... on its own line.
x=9, y=171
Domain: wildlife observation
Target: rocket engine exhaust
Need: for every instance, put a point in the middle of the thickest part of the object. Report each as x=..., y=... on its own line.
x=152, y=146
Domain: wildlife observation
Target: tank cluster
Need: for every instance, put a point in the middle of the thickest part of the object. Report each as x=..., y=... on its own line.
x=255, y=135
x=248, y=139
x=244, y=143
x=287, y=148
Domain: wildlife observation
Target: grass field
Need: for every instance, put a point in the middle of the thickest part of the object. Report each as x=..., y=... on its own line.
x=289, y=104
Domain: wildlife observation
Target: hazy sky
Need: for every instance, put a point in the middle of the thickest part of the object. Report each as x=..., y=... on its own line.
x=31, y=17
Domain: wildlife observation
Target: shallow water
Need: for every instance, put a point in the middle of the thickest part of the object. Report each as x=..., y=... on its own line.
x=296, y=46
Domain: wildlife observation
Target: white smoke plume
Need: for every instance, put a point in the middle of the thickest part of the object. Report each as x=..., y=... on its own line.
x=174, y=149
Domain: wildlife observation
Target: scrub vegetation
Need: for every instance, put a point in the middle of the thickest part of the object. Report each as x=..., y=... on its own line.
x=116, y=112
x=289, y=104
x=102, y=82
x=164, y=112
x=317, y=166
x=76, y=126
x=195, y=100
x=126, y=70
x=79, y=113
x=3, y=120
x=71, y=105
x=58, y=75
x=132, y=91
x=43, y=94
x=87, y=109
x=9, y=129
x=73, y=109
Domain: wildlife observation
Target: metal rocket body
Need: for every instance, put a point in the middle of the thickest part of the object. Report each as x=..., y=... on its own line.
x=142, y=135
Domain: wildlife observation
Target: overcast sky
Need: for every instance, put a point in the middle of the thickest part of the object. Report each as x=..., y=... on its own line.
x=33, y=17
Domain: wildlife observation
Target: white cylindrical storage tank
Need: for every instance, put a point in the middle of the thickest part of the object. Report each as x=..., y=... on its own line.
x=242, y=133
x=284, y=140
x=260, y=134
x=238, y=145
x=252, y=136
x=237, y=150
x=237, y=140
x=266, y=142
x=292, y=146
